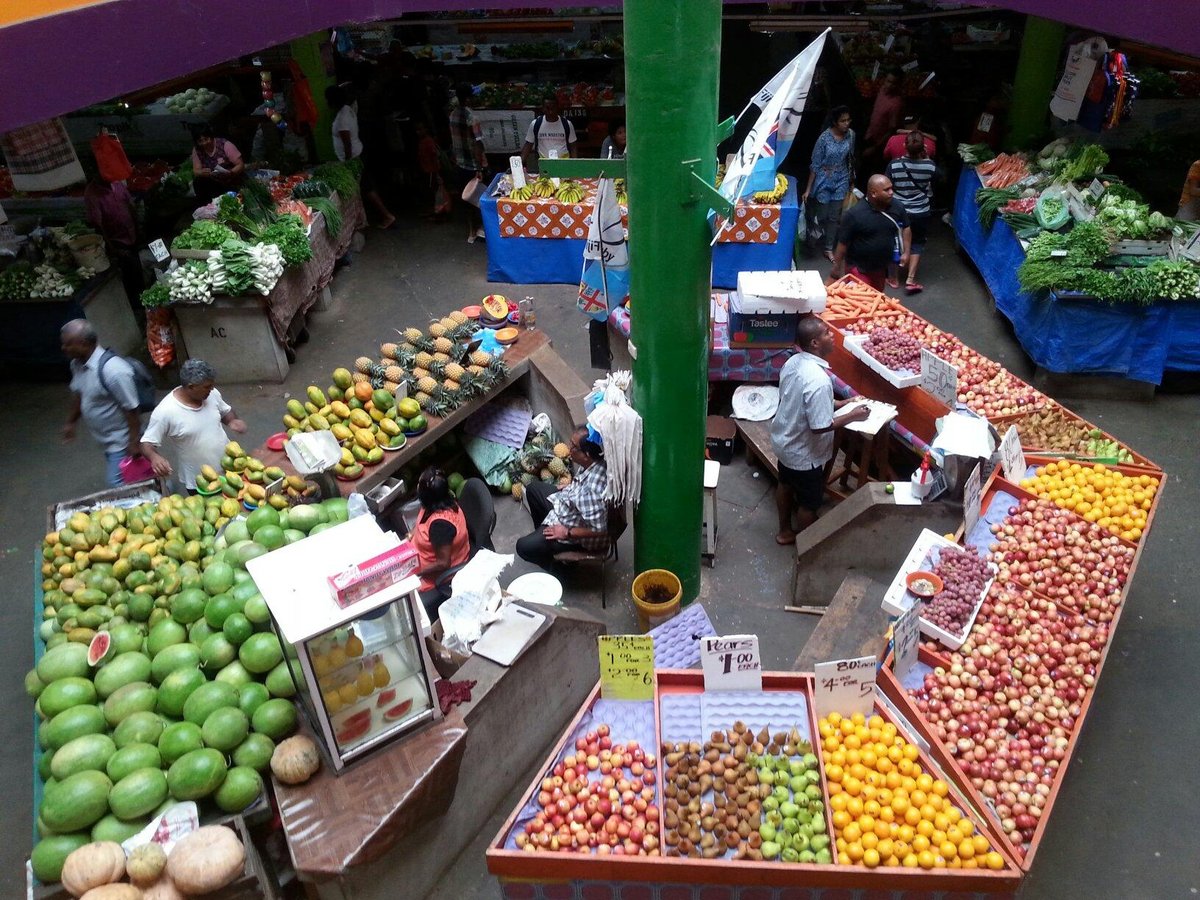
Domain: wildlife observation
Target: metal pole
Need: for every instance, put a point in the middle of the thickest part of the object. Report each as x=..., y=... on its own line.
x=672, y=58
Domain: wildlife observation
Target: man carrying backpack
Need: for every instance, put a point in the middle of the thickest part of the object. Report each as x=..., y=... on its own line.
x=106, y=395
x=548, y=132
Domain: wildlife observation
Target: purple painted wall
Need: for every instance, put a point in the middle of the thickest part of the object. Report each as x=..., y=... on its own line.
x=57, y=64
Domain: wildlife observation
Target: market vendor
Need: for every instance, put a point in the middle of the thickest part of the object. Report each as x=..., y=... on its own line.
x=549, y=135
x=802, y=430
x=217, y=165
x=615, y=146
x=873, y=235
x=440, y=537
x=1189, y=200
x=576, y=516
x=188, y=425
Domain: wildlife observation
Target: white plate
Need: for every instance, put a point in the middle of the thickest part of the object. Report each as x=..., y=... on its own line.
x=537, y=587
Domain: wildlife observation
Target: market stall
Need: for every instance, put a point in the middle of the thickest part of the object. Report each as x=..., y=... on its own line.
x=540, y=240
x=1064, y=332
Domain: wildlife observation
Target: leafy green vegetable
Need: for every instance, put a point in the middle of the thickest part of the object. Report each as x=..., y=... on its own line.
x=233, y=273
x=1084, y=161
x=257, y=204
x=290, y=236
x=77, y=228
x=158, y=294
x=990, y=201
x=1175, y=279
x=314, y=187
x=229, y=212
x=328, y=209
x=341, y=176
x=202, y=235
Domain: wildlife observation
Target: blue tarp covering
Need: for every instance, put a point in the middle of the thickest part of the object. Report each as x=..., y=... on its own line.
x=1072, y=334
x=560, y=261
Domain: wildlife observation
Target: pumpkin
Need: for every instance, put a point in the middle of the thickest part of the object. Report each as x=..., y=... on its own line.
x=295, y=760
x=114, y=892
x=146, y=864
x=163, y=889
x=206, y=860
x=93, y=865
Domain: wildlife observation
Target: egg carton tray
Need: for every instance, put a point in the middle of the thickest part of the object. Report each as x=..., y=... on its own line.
x=677, y=640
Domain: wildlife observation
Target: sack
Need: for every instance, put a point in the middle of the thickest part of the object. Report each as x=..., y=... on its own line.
x=142, y=381
x=160, y=336
x=473, y=192
x=110, y=157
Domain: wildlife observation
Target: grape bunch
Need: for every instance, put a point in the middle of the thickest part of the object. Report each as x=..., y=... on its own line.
x=964, y=573
x=898, y=351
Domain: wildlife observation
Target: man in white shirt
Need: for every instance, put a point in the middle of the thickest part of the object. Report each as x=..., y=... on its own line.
x=548, y=132
x=188, y=425
x=106, y=402
x=802, y=431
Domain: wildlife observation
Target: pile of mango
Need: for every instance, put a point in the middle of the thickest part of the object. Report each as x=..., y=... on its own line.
x=363, y=420
x=243, y=478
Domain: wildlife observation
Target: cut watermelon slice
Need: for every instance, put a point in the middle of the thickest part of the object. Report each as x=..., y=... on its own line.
x=353, y=732
x=385, y=697
x=399, y=711
x=98, y=648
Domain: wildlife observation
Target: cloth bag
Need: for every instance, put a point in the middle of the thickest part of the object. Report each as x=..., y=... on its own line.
x=473, y=191
x=110, y=157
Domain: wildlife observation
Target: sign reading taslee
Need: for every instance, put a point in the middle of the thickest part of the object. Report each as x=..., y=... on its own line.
x=626, y=666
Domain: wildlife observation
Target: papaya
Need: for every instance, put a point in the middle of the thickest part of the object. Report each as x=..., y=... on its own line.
x=333, y=392
x=209, y=472
x=296, y=482
x=319, y=422
x=383, y=400
x=342, y=432
x=234, y=449
x=363, y=391
x=389, y=427
x=340, y=409
x=342, y=378
x=230, y=491
x=374, y=456
x=365, y=439
x=273, y=473
x=290, y=421
x=347, y=457
x=316, y=395
x=352, y=472
x=234, y=481
x=310, y=407
x=360, y=419
x=358, y=454
x=378, y=415
x=257, y=491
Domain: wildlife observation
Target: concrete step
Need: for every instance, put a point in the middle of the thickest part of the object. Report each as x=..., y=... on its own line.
x=854, y=624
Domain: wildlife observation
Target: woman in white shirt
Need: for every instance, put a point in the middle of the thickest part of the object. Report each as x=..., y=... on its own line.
x=188, y=424
x=347, y=145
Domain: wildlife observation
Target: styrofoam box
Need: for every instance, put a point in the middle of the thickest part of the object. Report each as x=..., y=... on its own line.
x=897, y=599
x=854, y=345
x=792, y=291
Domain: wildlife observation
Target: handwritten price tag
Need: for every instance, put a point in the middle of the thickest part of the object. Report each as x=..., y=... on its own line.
x=1012, y=457
x=518, y=171
x=159, y=249
x=626, y=666
x=905, y=636
x=939, y=378
x=845, y=686
x=971, y=501
x=731, y=663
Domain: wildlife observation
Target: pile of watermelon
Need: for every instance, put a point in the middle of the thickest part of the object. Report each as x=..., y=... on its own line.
x=175, y=686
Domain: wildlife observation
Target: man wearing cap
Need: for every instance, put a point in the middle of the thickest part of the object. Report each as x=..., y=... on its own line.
x=575, y=517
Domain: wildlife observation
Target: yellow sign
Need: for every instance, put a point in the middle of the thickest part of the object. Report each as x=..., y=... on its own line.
x=626, y=667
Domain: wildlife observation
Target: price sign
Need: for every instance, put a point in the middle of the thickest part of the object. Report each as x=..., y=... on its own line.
x=159, y=249
x=939, y=378
x=845, y=686
x=1096, y=188
x=905, y=636
x=971, y=501
x=1012, y=457
x=626, y=666
x=937, y=486
x=731, y=663
x=517, y=168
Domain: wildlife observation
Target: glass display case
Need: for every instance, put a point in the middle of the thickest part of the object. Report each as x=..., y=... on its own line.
x=367, y=676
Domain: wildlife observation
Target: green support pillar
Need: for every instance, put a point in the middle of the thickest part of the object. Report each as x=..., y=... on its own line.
x=306, y=51
x=672, y=61
x=1034, y=82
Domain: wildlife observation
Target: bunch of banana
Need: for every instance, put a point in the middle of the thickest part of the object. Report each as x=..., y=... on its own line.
x=295, y=489
x=720, y=174
x=776, y=194
x=570, y=192
x=543, y=187
x=622, y=194
x=521, y=194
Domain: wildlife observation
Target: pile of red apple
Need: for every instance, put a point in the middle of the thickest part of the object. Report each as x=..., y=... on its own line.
x=599, y=799
x=1079, y=565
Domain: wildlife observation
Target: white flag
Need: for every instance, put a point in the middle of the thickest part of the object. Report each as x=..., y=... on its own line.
x=606, y=234
x=772, y=87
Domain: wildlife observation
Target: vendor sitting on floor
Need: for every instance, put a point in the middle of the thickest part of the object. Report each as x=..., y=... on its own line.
x=575, y=517
x=440, y=537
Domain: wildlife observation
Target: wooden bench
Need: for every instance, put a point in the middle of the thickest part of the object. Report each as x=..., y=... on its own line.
x=854, y=625
x=757, y=438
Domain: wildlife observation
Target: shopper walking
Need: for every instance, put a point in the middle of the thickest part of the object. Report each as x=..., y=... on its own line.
x=886, y=116
x=575, y=517
x=109, y=209
x=802, y=430
x=873, y=234
x=104, y=394
x=1189, y=200
x=188, y=426
x=912, y=179
x=830, y=180
x=348, y=145
x=549, y=135
x=440, y=537
x=466, y=145
x=896, y=144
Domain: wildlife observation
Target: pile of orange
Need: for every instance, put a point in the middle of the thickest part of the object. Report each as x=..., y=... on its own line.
x=1117, y=502
x=887, y=811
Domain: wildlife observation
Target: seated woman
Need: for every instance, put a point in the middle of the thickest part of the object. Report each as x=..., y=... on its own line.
x=440, y=537
x=217, y=165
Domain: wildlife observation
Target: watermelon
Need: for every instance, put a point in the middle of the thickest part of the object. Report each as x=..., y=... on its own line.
x=196, y=774
x=110, y=828
x=51, y=852
x=123, y=669
x=130, y=758
x=98, y=648
x=260, y=652
x=255, y=751
x=276, y=719
x=89, y=752
x=138, y=793
x=208, y=697
x=139, y=728
x=63, y=694
x=172, y=659
x=176, y=688
x=241, y=787
x=225, y=728
x=137, y=696
x=178, y=740
x=217, y=578
x=77, y=802
x=70, y=724
x=64, y=661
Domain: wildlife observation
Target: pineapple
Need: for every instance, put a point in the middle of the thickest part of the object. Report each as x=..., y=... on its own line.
x=561, y=450
x=458, y=317
x=563, y=482
x=423, y=360
x=546, y=476
x=449, y=323
x=414, y=337
x=443, y=345
x=387, y=361
x=477, y=372
x=407, y=349
x=359, y=377
x=427, y=385
x=518, y=491
x=423, y=399
x=454, y=371
x=377, y=376
x=418, y=373
x=451, y=387
x=525, y=478
x=363, y=364
x=481, y=358
x=391, y=386
x=388, y=349
x=437, y=330
x=393, y=373
x=556, y=467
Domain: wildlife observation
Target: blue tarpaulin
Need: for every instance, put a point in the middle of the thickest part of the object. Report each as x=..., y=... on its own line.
x=1068, y=334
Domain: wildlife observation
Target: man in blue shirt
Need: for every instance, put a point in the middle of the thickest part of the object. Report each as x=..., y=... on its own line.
x=106, y=402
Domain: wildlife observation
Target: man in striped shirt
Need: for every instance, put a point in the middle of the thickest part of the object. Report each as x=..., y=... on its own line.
x=912, y=178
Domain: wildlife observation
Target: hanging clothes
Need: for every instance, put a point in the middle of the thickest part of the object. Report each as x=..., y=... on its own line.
x=40, y=157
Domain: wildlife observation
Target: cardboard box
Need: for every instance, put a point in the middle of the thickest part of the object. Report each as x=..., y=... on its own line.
x=755, y=329
x=719, y=433
x=358, y=581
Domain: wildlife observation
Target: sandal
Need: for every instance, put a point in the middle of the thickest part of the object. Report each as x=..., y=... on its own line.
x=911, y=287
x=891, y=282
